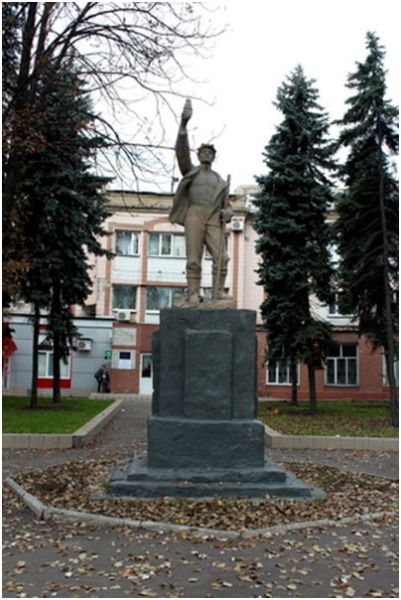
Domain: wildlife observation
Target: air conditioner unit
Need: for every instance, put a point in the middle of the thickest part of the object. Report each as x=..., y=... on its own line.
x=123, y=315
x=84, y=345
x=237, y=225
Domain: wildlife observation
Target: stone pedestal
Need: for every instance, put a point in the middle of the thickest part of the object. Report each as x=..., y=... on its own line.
x=203, y=435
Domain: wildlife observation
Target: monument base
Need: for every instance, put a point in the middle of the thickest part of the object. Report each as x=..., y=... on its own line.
x=133, y=478
x=180, y=443
x=204, y=438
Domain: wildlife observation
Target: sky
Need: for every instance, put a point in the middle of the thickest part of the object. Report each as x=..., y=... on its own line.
x=263, y=43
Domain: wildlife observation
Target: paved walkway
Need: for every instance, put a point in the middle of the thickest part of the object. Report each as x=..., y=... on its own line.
x=63, y=560
x=127, y=433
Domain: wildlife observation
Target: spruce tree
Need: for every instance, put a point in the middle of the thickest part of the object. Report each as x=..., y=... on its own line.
x=64, y=206
x=293, y=234
x=367, y=225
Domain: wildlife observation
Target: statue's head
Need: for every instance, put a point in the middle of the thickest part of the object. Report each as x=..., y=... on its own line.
x=206, y=153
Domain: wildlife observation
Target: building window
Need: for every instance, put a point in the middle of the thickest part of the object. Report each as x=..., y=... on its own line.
x=124, y=297
x=278, y=372
x=46, y=365
x=127, y=243
x=166, y=244
x=342, y=364
x=161, y=297
x=46, y=358
x=334, y=310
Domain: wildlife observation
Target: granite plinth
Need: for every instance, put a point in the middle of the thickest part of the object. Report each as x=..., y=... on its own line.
x=204, y=364
x=200, y=443
x=203, y=435
x=134, y=478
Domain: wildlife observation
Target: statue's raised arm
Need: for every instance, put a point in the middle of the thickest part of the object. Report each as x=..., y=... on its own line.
x=182, y=144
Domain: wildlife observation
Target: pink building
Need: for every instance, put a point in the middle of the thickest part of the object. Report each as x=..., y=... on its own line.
x=149, y=268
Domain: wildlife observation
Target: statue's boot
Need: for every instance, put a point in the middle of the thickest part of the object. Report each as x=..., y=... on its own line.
x=194, y=290
x=219, y=286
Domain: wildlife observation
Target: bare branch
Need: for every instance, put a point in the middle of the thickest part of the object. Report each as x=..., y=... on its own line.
x=127, y=52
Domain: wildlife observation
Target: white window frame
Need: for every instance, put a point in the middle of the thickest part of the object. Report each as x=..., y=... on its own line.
x=127, y=285
x=49, y=355
x=346, y=358
x=173, y=237
x=172, y=289
x=134, y=244
x=288, y=379
x=333, y=310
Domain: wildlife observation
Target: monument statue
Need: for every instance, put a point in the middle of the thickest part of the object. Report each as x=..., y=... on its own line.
x=204, y=437
x=201, y=205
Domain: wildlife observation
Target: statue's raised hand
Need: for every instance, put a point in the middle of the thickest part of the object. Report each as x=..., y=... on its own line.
x=187, y=112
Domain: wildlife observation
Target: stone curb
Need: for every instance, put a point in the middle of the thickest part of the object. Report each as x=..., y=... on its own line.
x=47, y=441
x=274, y=439
x=47, y=513
x=88, y=431
x=31, y=501
x=145, y=398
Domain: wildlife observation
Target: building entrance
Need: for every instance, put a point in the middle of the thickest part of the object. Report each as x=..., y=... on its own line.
x=146, y=378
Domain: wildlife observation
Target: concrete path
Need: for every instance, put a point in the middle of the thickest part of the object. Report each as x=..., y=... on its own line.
x=127, y=433
x=65, y=561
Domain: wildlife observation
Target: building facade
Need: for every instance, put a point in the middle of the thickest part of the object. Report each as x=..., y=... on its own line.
x=148, y=269
x=76, y=375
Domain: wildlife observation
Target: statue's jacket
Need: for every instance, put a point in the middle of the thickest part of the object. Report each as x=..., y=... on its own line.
x=181, y=198
x=180, y=207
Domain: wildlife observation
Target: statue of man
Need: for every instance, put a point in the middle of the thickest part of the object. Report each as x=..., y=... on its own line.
x=201, y=205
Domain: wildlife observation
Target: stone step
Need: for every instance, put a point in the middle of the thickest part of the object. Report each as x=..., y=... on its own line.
x=136, y=469
x=133, y=478
x=191, y=489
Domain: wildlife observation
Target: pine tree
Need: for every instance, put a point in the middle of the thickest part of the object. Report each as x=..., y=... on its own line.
x=367, y=225
x=64, y=207
x=293, y=234
x=14, y=261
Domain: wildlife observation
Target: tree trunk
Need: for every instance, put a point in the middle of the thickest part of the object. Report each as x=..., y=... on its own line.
x=394, y=413
x=35, y=354
x=294, y=382
x=56, y=367
x=55, y=320
x=312, y=390
x=388, y=315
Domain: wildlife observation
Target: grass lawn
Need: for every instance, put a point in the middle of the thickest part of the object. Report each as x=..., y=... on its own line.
x=66, y=417
x=346, y=418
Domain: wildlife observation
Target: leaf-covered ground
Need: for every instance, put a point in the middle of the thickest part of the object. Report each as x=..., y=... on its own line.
x=346, y=418
x=65, y=560
x=72, y=484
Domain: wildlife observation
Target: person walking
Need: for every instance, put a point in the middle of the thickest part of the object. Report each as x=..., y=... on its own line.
x=103, y=380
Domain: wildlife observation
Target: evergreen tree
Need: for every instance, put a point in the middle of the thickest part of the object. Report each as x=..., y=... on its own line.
x=14, y=262
x=11, y=48
x=367, y=225
x=64, y=207
x=293, y=234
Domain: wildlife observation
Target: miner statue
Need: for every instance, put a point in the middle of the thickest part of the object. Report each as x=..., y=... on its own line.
x=201, y=205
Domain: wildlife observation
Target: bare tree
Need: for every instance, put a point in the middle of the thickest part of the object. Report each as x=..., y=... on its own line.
x=126, y=51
